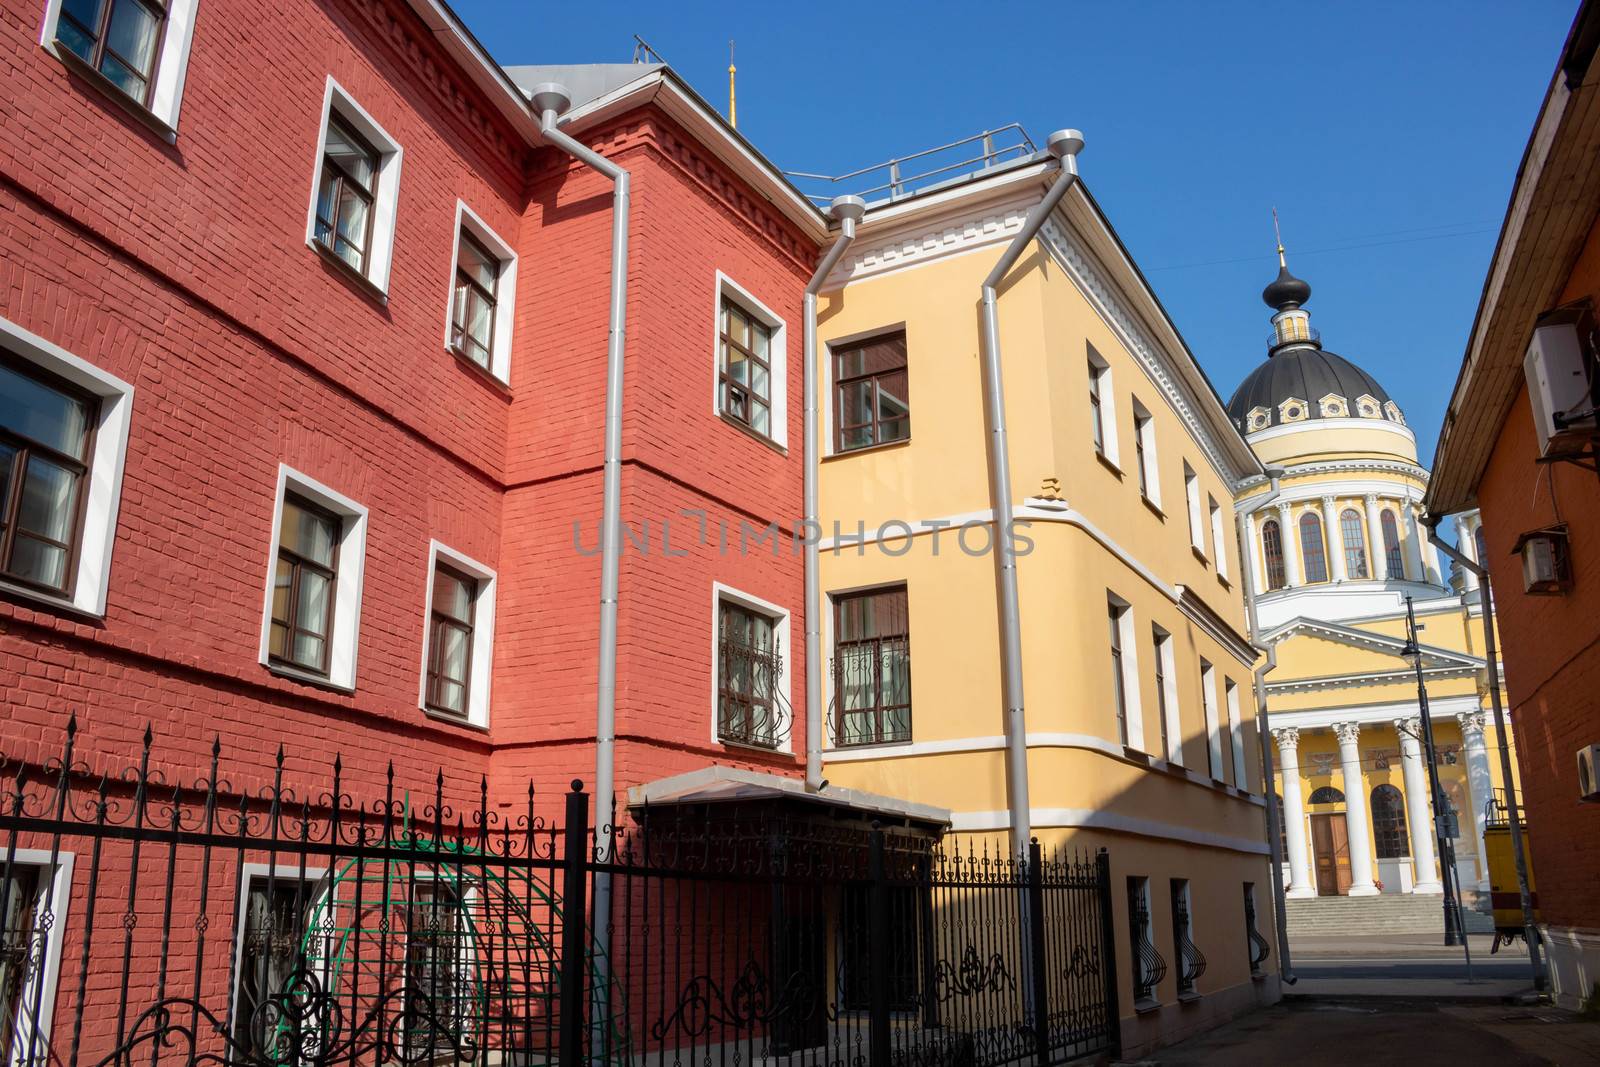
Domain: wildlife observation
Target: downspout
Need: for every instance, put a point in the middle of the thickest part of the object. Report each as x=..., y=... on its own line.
x=549, y=101
x=1264, y=722
x=848, y=210
x=1064, y=145
x=1491, y=656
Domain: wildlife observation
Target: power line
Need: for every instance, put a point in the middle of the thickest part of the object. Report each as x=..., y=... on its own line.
x=1338, y=248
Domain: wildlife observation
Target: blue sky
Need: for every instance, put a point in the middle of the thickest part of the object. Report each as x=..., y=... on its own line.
x=1387, y=135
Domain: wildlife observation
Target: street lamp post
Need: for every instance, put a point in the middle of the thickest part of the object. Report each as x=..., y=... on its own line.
x=1444, y=817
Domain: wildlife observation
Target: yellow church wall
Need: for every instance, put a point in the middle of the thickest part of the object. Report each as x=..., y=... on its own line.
x=1347, y=437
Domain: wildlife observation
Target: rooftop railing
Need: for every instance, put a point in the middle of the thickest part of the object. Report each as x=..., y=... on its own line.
x=920, y=171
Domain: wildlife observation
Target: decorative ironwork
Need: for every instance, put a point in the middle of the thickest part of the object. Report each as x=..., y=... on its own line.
x=1191, y=961
x=240, y=920
x=751, y=709
x=1260, y=949
x=1149, y=966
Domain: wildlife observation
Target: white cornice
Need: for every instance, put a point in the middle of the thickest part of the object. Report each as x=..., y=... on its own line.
x=1336, y=466
x=1439, y=709
x=985, y=216
x=1367, y=639
x=1311, y=425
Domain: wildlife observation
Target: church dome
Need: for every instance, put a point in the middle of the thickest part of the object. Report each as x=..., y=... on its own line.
x=1304, y=382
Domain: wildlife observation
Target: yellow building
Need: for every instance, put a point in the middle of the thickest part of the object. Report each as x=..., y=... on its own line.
x=1335, y=553
x=1126, y=719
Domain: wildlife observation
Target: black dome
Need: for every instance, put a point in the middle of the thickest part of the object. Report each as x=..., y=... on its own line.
x=1305, y=373
x=1286, y=291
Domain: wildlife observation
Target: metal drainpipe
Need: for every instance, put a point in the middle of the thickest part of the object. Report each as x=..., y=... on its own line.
x=1492, y=658
x=1264, y=723
x=549, y=101
x=848, y=210
x=1065, y=146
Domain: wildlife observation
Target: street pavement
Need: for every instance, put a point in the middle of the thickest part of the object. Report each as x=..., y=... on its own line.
x=1407, y=965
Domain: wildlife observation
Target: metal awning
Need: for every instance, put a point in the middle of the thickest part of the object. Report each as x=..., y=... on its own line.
x=724, y=785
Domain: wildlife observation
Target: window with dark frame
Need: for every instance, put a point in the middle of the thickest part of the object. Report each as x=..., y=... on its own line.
x=1161, y=637
x=303, y=585
x=1119, y=695
x=1312, y=556
x=1394, y=562
x=1141, y=430
x=1355, y=543
x=438, y=959
x=1096, y=410
x=46, y=440
x=749, y=665
x=1191, y=961
x=872, y=382
x=872, y=667
x=277, y=909
x=119, y=38
x=744, y=388
x=450, y=624
x=472, y=311
x=1148, y=965
x=20, y=890
x=1272, y=552
x=1389, y=823
x=347, y=194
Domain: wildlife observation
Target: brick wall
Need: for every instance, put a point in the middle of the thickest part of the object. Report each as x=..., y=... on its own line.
x=1552, y=644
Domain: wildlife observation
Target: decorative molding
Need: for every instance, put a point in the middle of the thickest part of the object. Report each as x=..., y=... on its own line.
x=1287, y=737
x=1348, y=733
x=1472, y=727
x=909, y=246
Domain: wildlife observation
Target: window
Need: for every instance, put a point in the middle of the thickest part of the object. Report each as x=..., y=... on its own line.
x=1219, y=543
x=1097, y=413
x=1394, y=563
x=458, y=641
x=1326, y=794
x=313, y=604
x=745, y=392
x=1167, y=699
x=1208, y=702
x=750, y=710
x=140, y=48
x=1148, y=966
x=1272, y=552
x=275, y=913
x=1191, y=961
x=63, y=440
x=1124, y=673
x=1256, y=946
x=354, y=198
x=482, y=296
x=1144, y=447
x=1389, y=823
x=46, y=438
x=1355, y=543
x=1311, y=553
x=873, y=385
x=1235, y=733
x=438, y=968
x=35, y=889
x=1191, y=498
x=872, y=667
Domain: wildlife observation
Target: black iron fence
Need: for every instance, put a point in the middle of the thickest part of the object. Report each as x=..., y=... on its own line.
x=144, y=923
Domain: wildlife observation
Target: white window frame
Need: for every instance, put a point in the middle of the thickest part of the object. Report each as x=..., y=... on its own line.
x=777, y=352
x=1236, y=734
x=780, y=631
x=1219, y=540
x=1144, y=426
x=1104, y=385
x=103, y=486
x=1127, y=636
x=171, y=66
x=481, y=674
x=1169, y=679
x=43, y=982
x=316, y=877
x=386, y=195
x=344, y=634
x=505, y=292
x=1191, y=493
x=1208, y=702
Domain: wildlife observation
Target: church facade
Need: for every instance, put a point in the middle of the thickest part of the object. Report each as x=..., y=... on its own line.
x=1337, y=552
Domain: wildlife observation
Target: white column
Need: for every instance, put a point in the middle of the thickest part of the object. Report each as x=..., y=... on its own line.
x=1413, y=544
x=1419, y=818
x=1330, y=526
x=1291, y=547
x=1377, y=556
x=1466, y=526
x=1358, y=826
x=1301, y=884
x=1480, y=790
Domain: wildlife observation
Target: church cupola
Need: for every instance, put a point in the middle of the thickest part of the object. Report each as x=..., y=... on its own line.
x=1287, y=295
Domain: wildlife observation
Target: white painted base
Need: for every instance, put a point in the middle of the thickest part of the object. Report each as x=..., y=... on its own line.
x=1363, y=891
x=1574, y=961
x=1300, y=892
x=1395, y=875
x=1427, y=889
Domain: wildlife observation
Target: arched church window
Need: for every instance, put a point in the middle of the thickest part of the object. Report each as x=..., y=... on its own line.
x=1327, y=795
x=1355, y=544
x=1391, y=546
x=1389, y=823
x=1272, y=550
x=1311, y=553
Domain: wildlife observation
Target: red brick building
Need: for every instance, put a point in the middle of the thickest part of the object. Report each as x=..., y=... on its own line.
x=1538, y=496
x=303, y=336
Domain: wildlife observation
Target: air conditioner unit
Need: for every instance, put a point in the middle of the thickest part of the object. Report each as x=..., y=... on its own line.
x=1546, y=561
x=1589, y=774
x=1560, y=388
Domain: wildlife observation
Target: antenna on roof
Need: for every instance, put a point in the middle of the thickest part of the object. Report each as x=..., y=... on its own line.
x=1279, y=235
x=733, y=113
